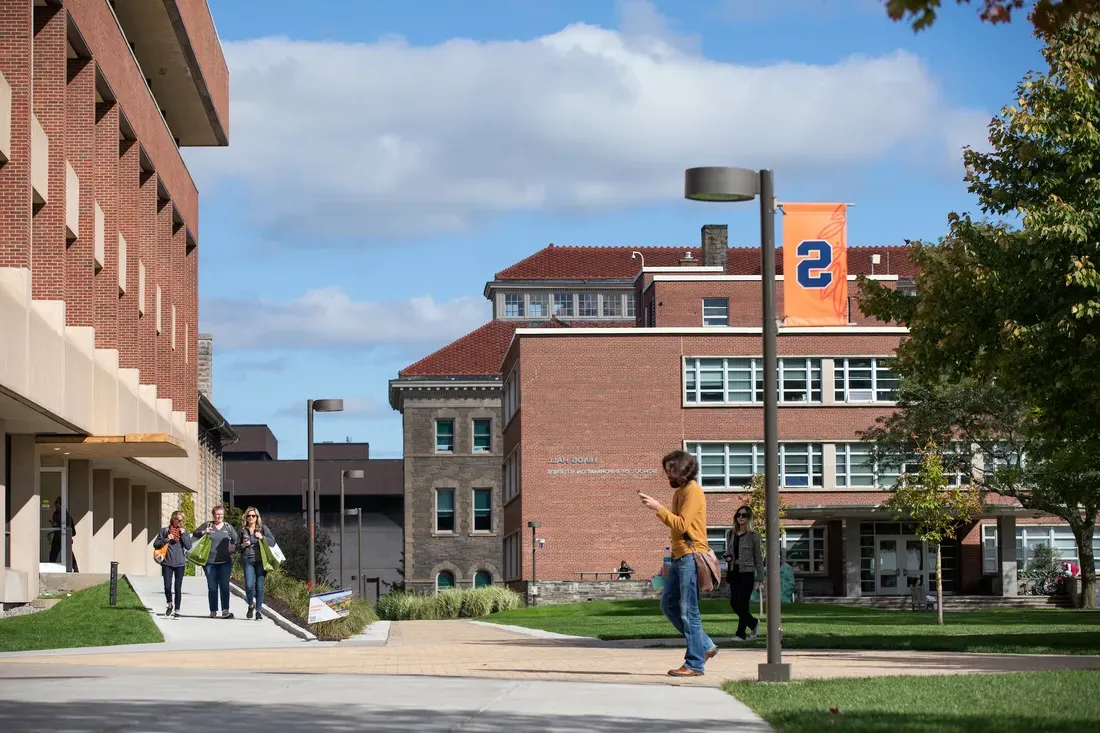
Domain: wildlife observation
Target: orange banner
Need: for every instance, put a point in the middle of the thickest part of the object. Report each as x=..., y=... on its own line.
x=815, y=264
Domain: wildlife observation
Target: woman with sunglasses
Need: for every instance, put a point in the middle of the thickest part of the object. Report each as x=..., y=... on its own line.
x=744, y=560
x=252, y=531
x=172, y=566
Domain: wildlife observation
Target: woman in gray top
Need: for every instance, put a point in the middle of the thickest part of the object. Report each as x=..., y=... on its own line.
x=223, y=543
x=178, y=540
x=254, y=574
x=744, y=560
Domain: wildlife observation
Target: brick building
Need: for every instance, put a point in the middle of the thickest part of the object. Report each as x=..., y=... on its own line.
x=99, y=248
x=256, y=476
x=588, y=407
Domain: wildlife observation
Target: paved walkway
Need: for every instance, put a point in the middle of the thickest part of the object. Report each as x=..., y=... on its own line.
x=194, y=629
x=466, y=649
x=92, y=700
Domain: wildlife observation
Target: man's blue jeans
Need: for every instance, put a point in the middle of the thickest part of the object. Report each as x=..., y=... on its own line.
x=217, y=583
x=254, y=577
x=680, y=605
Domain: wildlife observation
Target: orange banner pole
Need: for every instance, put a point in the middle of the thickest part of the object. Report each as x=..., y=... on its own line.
x=815, y=264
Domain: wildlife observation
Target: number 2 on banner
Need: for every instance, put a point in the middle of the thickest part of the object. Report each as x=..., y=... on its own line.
x=814, y=258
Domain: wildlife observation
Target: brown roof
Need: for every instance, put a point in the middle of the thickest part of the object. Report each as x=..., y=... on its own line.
x=480, y=352
x=598, y=263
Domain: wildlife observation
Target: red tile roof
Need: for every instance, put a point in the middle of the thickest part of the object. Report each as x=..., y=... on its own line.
x=480, y=352
x=595, y=263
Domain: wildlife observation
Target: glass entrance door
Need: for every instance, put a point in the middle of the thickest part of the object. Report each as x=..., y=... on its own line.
x=901, y=564
x=55, y=551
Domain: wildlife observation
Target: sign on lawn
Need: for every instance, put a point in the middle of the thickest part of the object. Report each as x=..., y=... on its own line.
x=329, y=606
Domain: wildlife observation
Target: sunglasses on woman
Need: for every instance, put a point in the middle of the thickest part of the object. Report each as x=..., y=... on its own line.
x=742, y=515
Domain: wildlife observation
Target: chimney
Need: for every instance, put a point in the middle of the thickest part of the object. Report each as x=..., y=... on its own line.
x=716, y=246
x=688, y=260
x=206, y=365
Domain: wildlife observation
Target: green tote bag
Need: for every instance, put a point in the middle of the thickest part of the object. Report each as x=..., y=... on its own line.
x=200, y=552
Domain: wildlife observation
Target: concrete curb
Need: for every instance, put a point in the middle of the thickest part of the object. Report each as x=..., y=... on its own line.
x=376, y=634
x=277, y=618
x=537, y=633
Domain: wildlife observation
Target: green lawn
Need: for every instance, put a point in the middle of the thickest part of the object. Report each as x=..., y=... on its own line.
x=82, y=619
x=1030, y=702
x=822, y=626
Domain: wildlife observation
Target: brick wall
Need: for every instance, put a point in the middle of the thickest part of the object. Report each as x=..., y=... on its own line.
x=16, y=29
x=591, y=522
x=123, y=177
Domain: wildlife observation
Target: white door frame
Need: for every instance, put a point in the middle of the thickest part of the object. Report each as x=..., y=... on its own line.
x=63, y=471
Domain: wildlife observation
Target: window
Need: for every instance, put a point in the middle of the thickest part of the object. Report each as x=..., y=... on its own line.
x=588, y=305
x=630, y=305
x=732, y=465
x=512, y=568
x=1028, y=538
x=445, y=580
x=538, y=305
x=563, y=305
x=613, y=305
x=511, y=395
x=650, y=316
x=444, y=436
x=865, y=380
x=856, y=467
x=804, y=549
x=483, y=510
x=483, y=436
x=511, y=476
x=716, y=538
x=513, y=305
x=483, y=579
x=731, y=381
x=716, y=311
x=444, y=510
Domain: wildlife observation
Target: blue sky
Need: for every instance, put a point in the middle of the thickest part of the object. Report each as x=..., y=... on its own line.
x=387, y=158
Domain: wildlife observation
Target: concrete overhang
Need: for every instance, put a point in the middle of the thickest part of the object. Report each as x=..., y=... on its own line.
x=131, y=445
x=177, y=48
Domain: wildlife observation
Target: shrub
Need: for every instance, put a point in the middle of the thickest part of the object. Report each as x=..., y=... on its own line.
x=1045, y=563
x=292, y=535
x=187, y=506
x=291, y=599
x=448, y=604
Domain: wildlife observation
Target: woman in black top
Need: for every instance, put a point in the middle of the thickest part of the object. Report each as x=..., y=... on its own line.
x=178, y=540
x=744, y=559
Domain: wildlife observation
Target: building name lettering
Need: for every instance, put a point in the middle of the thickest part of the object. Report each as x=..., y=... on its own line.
x=601, y=471
x=573, y=460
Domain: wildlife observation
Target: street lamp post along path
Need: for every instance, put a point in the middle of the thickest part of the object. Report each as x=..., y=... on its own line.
x=313, y=406
x=722, y=184
x=352, y=473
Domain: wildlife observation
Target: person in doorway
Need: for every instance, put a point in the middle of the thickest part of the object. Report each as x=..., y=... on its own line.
x=55, y=536
x=252, y=531
x=745, y=561
x=178, y=540
x=223, y=543
x=687, y=523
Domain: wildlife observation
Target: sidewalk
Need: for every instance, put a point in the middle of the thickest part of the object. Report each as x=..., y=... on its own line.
x=194, y=629
x=465, y=649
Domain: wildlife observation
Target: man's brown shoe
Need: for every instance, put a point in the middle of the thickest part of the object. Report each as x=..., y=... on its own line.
x=684, y=672
x=711, y=654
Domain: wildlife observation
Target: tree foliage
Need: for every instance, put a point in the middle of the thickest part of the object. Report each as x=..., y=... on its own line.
x=758, y=502
x=292, y=535
x=1048, y=16
x=1004, y=331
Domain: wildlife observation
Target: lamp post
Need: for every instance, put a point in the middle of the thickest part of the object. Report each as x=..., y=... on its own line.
x=346, y=474
x=358, y=512
x=720, y=184
x=313, y=406
x=534, y=550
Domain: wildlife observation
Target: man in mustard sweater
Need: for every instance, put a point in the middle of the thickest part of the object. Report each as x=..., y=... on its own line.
x=687, y=523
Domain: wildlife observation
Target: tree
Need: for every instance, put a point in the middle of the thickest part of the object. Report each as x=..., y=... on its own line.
x=187, y=506
x=938, y=509
x=1048, y=16
x=758, y=502
x=292, y=534
x=1019, y=307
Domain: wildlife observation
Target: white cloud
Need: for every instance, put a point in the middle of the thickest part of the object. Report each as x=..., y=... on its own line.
x=354, y=407
x=334, y=139
x=329, y=318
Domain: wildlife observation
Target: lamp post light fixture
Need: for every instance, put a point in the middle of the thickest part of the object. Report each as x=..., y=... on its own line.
x=346, y=474
x=358, y=512
x=729, y=185
x=313, y=406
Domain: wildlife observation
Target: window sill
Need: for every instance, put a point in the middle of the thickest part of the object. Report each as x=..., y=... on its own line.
x=482, y=452
x=484, y=534
x=444, y=452
x=437, y=533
